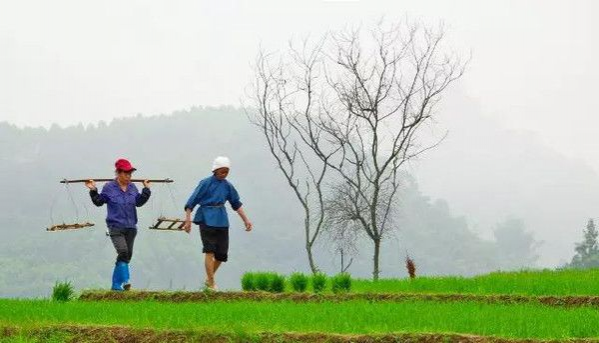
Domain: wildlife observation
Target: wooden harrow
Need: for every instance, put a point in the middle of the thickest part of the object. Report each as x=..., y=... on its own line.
x=168, y=224
x=65, y=227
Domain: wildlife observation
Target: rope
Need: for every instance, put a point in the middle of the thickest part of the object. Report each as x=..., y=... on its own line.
x=72, y=201
x=170, y=190
x=52, y=203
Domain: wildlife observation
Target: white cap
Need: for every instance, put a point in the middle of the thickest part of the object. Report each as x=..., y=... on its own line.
x=221, y=162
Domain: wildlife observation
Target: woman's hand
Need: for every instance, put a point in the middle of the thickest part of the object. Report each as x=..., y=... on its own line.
x=187, y=225
x=91, y=184
x=248, y=226
x=146, y=183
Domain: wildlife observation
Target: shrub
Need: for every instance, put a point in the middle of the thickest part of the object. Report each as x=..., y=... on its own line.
x=341, y=283
x=248, y=282
x=63, y=291
x=299, y=282
x=262, y=281
x=319, y=282
x=277, y=283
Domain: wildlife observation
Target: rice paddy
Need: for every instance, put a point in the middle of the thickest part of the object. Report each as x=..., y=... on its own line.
x=491, y=307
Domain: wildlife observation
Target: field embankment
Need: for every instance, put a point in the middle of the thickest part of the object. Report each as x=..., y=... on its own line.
x=178, y=297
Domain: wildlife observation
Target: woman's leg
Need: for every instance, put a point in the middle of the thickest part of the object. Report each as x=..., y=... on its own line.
x=209, y=266
x=119, y=241
x=117, y=236
x=130, y=240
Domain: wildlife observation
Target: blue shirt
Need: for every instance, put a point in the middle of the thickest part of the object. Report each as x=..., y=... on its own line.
x=122, y=212
x=211, y=194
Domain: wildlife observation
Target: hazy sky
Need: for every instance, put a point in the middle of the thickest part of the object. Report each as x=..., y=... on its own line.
x=535, y=63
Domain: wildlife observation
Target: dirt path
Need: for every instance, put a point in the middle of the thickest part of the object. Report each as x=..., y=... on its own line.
x=568, y=301
x=103, y=334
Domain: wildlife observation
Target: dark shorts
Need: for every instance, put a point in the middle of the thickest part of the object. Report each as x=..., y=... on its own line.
x=216, y=241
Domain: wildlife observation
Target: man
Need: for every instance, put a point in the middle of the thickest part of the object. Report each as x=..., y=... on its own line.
x=122, y=198
x=211, y=195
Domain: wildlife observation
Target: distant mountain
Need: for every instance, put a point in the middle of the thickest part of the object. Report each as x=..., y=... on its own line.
x=181, y=146
x=490, y=173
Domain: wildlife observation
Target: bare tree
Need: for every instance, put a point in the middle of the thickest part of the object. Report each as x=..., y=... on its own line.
x=278, y=96
x=358, y=100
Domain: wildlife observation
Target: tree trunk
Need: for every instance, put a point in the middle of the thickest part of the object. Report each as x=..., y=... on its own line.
x=313, y=266
x=377, y=253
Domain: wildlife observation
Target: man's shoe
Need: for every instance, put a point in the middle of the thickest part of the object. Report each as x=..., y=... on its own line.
x=127, y=287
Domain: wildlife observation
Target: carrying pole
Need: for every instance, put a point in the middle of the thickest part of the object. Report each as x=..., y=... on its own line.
x=108, y=180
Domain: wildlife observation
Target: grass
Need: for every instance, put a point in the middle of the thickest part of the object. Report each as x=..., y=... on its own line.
x=299, y=282
x=353, y=317
x=63, y=291
x=341, y=283
x=319, y=282
x=545, y=282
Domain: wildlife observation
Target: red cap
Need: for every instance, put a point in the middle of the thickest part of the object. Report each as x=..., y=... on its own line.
x=124, y=165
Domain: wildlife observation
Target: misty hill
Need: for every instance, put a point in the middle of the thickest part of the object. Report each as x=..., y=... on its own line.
x=491, y=174
x=181, y=146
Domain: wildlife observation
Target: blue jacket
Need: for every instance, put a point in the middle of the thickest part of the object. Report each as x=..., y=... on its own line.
x=211, y=194
x=122, y=213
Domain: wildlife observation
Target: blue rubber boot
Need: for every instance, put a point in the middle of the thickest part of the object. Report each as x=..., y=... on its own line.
x=126, y=278
x=118, y=276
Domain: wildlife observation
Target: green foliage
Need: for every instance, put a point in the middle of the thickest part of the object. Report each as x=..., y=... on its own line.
x=277, y=283
x=267, y=282
x=526, y=282
x=515, y=321
x=319, y=282
x=63, y=291
x=299, y=282
x=262, y=281
x=341, y=283
x=248, y=282
x=587, y=251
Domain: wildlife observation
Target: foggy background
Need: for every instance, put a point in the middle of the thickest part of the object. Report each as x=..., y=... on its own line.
x=520, y=147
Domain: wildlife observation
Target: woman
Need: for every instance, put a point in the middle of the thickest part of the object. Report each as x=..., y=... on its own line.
x=211, y=194
x=122, y=198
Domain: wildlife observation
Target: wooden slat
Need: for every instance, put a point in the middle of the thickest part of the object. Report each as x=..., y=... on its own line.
x=63, y=227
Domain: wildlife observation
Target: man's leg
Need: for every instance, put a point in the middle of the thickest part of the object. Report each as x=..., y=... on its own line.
x=210, y=266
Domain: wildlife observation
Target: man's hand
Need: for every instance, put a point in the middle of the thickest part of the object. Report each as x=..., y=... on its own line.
x=146, y=183
x=91, y=184
x=248, y=226
x=187, y=226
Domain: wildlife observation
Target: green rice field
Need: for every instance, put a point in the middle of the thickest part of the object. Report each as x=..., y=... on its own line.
x=240, y=319
x=546, y=282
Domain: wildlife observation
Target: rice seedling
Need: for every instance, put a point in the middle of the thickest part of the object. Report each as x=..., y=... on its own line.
x=277, y=283
x=248, y=282
x=341, y=283
x=319, y=282
x=299, y=282
x=63, y=291
x=262, y=281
